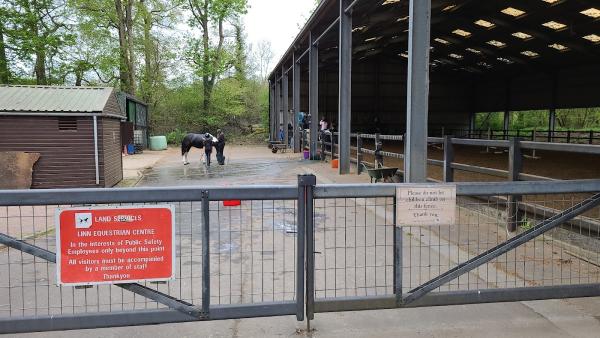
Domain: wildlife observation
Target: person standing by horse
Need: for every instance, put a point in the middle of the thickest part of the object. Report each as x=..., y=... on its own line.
x=208, y=145
x=220, y=146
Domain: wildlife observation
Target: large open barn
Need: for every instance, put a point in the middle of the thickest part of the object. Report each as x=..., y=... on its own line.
x=351, y=64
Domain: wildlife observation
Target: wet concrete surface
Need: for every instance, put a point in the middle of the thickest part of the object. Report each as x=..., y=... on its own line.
x=246, y=166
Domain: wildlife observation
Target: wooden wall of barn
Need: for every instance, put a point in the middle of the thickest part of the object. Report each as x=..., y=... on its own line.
x=109, y=144
x=67, y=156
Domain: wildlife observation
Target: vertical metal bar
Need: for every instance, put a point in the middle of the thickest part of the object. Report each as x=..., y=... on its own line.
x=398, y=265
x=310, y=247
x=272, y=131
x=471, y=123
x=345, y=88
x=296, y=103
x=359, y=155
x=301, y=247
x=515, y=166
x=277, y=109
x=205, y=253
x=551, y=124
x=285, y=104
x=415, y=161
x=591, y=137
x=448, y=159
x=313, y=95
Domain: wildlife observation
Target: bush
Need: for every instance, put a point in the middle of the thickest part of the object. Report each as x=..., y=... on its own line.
x=175, y=137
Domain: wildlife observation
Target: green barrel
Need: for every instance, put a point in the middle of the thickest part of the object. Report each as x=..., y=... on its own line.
x=158, y=142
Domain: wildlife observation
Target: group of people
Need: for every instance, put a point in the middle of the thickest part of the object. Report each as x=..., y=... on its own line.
x=219, y=147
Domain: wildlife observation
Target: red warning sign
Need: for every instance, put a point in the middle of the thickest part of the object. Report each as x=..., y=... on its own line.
x=115, y=245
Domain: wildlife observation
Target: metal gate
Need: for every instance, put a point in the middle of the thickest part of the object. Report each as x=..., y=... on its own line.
x=305, y=249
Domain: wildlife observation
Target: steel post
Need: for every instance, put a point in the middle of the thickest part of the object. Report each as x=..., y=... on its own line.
x=359, y=155
x=398, y=265
x=415, y=162
x=515, y=166
x=313, y=95
x=506, y=124
x=301, y=247
x=448, y=159
x=277, y=109
x=205, y=252
x=309, y=182
x=551, y=124
x=296, y=104
x=345, y=88
x=285, y=105
x=272, y=121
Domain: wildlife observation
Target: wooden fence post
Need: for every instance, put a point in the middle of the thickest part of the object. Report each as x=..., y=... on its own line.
x=515, y=166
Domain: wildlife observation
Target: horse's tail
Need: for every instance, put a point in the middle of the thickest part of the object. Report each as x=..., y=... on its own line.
x=186, y=144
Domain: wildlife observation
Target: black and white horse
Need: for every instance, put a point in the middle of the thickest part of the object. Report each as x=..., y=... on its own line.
x=192, y=140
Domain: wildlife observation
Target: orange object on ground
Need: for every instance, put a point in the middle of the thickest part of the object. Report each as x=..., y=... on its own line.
x=334, y=164
x=232, y=203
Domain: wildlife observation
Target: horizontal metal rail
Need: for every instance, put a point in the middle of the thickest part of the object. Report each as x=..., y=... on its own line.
x=446, y=298
x=463, y=189
x=140, y=317
x=140, y=195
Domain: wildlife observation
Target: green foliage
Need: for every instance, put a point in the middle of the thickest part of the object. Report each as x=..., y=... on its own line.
x=175, y=136
x=567, y=119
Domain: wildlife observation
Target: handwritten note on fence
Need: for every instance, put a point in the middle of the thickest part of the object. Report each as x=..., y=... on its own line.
x=426, y=205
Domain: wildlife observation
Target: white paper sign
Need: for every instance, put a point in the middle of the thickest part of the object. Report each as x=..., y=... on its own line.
x=424, y=205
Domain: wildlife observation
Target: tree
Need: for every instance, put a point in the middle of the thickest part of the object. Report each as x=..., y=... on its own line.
x=38, y=32
x=263, y=55
x=4, y=67
x=210, y=57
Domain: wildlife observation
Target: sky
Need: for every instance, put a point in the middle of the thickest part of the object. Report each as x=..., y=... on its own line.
x=277, y=21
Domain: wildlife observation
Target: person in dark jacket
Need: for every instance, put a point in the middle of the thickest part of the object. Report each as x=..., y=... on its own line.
x=220, y=146
x=208, y=145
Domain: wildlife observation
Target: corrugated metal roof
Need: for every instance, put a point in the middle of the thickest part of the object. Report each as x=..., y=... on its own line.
x=53, y=99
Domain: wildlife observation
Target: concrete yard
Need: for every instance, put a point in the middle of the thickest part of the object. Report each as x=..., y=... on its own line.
x=247, y=165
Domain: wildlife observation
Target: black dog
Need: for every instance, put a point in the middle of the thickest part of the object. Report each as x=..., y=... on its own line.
x=189, y=141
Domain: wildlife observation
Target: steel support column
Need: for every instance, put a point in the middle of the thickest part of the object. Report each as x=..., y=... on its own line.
x=272, y=132
x=345, y=88
x=506, y=122
x=296, y=103
x=313, y=95
x=551, y=124
x=415, y=161
x=285, y=100
x=277, y=108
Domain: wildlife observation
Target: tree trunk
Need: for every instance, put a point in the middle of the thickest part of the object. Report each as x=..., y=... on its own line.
x=4, y=70
x=130, y=52
x=148, y=79
x=206, y=60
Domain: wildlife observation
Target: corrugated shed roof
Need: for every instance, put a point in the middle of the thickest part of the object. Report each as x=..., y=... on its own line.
x=53, y=99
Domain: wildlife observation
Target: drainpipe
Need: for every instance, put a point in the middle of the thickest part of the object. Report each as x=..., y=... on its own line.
x=96, y=149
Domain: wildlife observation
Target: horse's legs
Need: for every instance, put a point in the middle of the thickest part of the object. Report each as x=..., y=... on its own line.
x=185, y=159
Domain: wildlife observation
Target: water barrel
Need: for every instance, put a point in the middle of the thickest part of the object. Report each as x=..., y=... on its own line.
x=158, y=142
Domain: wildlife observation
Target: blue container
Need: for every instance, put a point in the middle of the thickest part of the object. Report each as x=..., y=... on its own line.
x=130, y=149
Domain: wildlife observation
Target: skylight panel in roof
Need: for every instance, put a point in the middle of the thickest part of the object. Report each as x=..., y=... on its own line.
x=473, y=50
x=554, y=25
x=551, y=1
x=442, y=41
x=375, y=38
x=404, y=18
x=505, y=60
x=513, y=12
x=448, y=8
x=484, y=23
x=559, y=47
x=462, y=33
x=496, y=43
x=359, y=28
x=484, y=64
x=593, y=38
x=530, y=53
x=521, y=35
x=591, y=12
x=404, y=55
x=455, y=56
x=388, y=2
